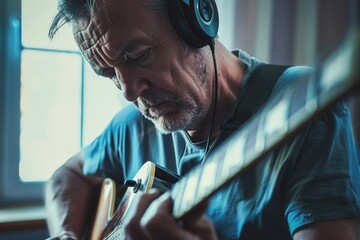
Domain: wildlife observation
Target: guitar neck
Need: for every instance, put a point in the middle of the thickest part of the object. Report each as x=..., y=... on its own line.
x=286, y=114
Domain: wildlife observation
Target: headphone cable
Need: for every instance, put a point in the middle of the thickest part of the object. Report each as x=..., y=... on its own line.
x=214, y=99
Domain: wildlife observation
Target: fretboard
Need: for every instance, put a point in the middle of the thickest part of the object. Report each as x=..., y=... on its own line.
x=283, y=117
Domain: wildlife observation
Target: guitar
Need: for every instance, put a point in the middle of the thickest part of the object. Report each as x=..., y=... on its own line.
x=282, y=118
x=107, y=223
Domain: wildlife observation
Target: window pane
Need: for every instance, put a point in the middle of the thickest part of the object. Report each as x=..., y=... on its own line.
x=50, y=111
x=37, y=16
x=101, y=102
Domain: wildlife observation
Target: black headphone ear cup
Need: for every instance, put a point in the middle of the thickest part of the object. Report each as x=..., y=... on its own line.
x=196, y=21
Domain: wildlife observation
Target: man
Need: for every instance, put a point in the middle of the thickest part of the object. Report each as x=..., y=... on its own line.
x=307, y=189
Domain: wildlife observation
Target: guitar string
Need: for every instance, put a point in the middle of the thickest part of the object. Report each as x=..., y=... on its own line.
x=117, y=231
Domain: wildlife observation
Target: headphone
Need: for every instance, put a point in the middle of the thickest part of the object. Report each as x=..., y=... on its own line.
x=196, y=21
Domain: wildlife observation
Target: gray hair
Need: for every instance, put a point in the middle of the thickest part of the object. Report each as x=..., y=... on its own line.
x=74, y=10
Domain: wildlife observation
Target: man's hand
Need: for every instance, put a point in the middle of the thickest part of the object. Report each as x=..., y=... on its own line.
x=69, y=197
x=150, y=218
x=65, y=236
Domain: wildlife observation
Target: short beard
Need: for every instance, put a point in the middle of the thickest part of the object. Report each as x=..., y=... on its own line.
x=192, y=113
x=170, y=125
x=183, y=119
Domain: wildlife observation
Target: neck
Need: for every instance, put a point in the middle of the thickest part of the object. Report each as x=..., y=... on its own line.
x=230, y=75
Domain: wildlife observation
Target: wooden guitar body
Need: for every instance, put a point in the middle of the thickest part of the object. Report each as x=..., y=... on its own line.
x=107, y=223
x=105, y=208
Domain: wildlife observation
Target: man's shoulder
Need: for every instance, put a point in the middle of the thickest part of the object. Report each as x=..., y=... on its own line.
x=298, y=72
x=293, y=74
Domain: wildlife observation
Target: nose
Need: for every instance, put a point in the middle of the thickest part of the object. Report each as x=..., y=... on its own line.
x=131, y=82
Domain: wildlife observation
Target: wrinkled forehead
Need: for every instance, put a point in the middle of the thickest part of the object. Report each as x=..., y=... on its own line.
x=113, y=20
x=89, y=33
x=104, y=13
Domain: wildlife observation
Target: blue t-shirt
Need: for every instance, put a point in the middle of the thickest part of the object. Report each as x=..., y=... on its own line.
x=314, y=177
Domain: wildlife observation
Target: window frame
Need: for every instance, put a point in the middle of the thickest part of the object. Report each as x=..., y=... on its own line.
x=12, y=189
x=2, y=80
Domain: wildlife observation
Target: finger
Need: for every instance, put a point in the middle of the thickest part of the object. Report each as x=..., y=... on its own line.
x=198, y=223
x=64, y=237
x=161, y=206
x=202, y=227
x=196, y=213
x=68, y=238
x=159, y=223
x=131, y=220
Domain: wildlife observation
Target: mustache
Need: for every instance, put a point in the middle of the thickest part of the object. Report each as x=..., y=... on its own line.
x=152, y=99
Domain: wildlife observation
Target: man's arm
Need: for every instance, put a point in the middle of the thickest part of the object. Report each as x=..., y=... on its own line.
x=345, y=229
x=69, y=197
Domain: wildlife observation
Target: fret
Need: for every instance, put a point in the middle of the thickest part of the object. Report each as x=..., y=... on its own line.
x=187, y=200
x=311, y=104
x=191, y=187
x=234, y=156
x=177, y=192
x=276, y=119
x=304, y=102
x=250, y=145
x=299, y=99
x=260, y=140
x=335, y=69
x=208, y=178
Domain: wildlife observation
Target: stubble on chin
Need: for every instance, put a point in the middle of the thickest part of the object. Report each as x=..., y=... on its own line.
x=172, y=122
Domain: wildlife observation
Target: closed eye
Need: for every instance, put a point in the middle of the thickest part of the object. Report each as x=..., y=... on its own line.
x=107, y=73
x=136, y=58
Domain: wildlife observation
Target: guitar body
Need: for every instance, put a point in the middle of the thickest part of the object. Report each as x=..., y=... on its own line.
x=108, y=223
x=105, y=208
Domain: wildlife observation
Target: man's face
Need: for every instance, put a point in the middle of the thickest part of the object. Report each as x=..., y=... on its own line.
x=167, y=81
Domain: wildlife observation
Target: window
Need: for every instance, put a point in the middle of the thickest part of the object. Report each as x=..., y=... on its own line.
x=52, y=103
